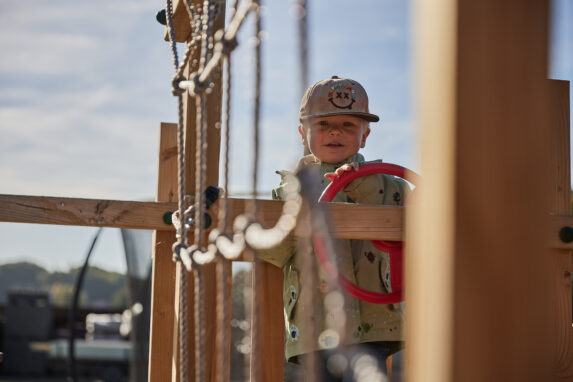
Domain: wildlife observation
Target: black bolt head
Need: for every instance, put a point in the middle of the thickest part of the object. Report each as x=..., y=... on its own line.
x=566, y=234
x=161, y=17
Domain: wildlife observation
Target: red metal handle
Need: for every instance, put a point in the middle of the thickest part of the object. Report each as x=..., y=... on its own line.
x=394, y=248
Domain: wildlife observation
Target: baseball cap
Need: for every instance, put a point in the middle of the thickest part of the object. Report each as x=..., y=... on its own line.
x=335, y=96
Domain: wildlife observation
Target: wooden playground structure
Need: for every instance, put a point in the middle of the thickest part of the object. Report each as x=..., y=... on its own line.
x=488, y=285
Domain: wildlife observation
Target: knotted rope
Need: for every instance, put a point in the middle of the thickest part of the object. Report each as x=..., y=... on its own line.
x=224, y=244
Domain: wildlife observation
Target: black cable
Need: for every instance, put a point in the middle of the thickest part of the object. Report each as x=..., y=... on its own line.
x=72, y=371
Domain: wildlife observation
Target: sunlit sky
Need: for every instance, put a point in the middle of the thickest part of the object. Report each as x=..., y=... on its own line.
x=84, y=86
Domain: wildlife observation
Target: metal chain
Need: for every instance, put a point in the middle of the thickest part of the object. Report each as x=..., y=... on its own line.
x=223, y=268
x=224, y=216
x=257, y=271
x=309, y=267
x=201, y=170
x=303, y=45
x=183, y=324
x=198, y=84
x=223, y=265
x=182, y=234
x=302, y=13
x=199, y=327
x=257, y=106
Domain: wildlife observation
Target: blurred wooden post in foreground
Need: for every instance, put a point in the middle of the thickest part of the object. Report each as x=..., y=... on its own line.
x=560, y=260
x=480, y=284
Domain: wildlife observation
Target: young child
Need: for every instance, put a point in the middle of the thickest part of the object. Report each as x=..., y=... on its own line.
x=334, y=124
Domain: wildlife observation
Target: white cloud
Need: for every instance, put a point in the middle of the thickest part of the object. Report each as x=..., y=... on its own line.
x=84, y=86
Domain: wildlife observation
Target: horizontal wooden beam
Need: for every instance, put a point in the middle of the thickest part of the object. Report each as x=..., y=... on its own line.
x=84, y=212
x=348, y=221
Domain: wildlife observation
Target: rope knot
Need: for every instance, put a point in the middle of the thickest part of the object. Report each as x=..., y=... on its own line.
x=201, y=256
x=196, y=87
x=223, y=44
x=176, y=90
x=177, y=248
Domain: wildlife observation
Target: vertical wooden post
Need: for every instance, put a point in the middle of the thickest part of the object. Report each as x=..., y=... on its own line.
x=163, y=275
x=479, y=276
x=272, y=324
x=213, y=110
x=429, y=248
x=558, y=130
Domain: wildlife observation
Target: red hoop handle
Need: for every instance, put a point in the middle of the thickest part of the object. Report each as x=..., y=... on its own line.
x=394, y=248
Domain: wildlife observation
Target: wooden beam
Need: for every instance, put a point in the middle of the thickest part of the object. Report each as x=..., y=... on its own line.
x=161, y=338
x=84, y=212
x=348, y=221
x=382, y=222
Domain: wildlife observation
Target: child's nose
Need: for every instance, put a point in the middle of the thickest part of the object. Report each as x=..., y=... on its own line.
x=334, y=130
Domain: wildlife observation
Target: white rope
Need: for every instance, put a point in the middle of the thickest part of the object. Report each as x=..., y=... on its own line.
x=246, y=232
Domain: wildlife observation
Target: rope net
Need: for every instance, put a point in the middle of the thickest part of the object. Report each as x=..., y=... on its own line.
x=224, y=243
x=228, y=241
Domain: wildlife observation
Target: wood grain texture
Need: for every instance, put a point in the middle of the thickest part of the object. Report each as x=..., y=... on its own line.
x=347, y=221
x=430, y=222
x=479, y=276
x=271, y=326
x=84, y=212
x=502, y=278
x=561, y=265
x=181, y=24
x=162, y=332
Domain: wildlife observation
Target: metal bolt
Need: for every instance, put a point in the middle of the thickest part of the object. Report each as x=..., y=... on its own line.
x=566, y=234
x=161, y=17
x=208, y=220
x=167, y=218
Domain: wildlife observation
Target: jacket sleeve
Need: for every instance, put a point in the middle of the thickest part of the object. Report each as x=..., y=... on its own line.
x=279, y=255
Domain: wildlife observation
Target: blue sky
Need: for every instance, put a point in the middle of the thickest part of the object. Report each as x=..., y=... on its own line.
x=84, y=86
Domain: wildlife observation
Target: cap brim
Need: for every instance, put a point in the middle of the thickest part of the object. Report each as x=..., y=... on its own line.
x=367, y=116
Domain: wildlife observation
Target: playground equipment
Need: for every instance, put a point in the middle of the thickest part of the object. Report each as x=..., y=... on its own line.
x=489, y=278
x=393, y=248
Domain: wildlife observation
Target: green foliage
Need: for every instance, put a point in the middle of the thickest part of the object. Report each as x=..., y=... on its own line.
x=21, y=275
x=241, y=284
x=240, y=339
x=120, y=298
x=100, y=288
x=61, y=294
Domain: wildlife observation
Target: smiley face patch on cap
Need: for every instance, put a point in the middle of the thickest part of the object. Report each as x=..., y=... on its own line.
x=342, y=96
x=335, y=96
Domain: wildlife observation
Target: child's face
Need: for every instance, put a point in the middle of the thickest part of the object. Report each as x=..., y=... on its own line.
x=333, y=139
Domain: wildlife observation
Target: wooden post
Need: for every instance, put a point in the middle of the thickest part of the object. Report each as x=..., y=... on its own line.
x=163, y=275
x=558, y=130
x=478, y=282
x=272, y=324
x=213, y=110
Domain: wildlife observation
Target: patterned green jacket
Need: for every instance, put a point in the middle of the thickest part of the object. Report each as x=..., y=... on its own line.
x=362, y=263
